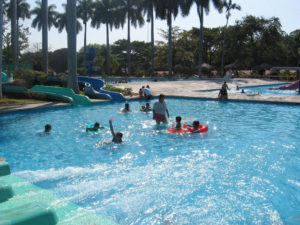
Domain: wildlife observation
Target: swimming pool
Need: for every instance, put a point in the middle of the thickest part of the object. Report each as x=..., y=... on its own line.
x=244, y=170
x=265, y=90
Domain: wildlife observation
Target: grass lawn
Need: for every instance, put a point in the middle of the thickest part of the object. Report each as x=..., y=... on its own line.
x=12, y=101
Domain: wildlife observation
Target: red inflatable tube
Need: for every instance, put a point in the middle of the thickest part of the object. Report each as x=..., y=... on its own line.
x=201, y=129
x=172, y=130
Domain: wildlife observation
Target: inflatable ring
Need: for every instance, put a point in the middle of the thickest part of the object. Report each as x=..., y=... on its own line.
x=145, y=110
x=172, y=130
x=91, y=125
x=202, y=128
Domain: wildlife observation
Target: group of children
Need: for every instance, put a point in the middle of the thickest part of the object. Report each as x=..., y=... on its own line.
x=194, y=127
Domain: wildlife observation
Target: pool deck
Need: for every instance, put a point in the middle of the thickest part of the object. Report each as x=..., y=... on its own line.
x=189, y=88
x=198, y=89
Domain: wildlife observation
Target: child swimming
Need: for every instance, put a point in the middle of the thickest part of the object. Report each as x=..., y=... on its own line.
x=94, y=128
x=117, y=138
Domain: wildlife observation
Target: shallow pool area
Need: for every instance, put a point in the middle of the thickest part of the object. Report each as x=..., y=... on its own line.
x=244, y=170
x=265, y=89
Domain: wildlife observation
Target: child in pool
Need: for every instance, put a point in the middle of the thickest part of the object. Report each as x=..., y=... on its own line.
x=117, y=138
x=178, y=123
x=146, y=108
x=126, y=109
x=195, y=127
x=94, y=128
x=47, y=129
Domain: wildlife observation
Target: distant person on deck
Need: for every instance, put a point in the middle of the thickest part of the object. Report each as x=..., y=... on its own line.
x=160, y=109
x=223, y=95
x=147, y=93
x=225, y=86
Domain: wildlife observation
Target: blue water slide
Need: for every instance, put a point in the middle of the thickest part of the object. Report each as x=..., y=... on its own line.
x=98, y=84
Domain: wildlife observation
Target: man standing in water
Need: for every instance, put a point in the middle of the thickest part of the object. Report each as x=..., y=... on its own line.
x=160, y=109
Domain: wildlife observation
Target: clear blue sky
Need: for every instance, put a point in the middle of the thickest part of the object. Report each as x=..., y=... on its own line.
x=288, y=11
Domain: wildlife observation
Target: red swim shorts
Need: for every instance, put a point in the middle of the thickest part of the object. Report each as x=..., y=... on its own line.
x=160, y=117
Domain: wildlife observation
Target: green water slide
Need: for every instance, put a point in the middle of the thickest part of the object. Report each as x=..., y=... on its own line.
x=65, y=94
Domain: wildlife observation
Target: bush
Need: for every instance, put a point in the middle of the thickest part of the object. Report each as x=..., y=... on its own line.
x=30, y=77
x=125, y=91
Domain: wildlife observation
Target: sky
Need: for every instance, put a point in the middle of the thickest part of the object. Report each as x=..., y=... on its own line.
x=286, y=10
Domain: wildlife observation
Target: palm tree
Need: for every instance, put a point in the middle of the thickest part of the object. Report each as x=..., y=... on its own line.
x=61, y=21
x=72, y=57
x=165, y=10
x=84, y=11
x=104, y=11
x=22, y=12
x=148, y=8
x=1, y=31
x=201, y=6
x=228, y=6
x=132, y=11
x=41, y=12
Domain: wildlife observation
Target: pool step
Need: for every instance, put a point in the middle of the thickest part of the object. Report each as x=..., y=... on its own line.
x=6, y=192
x=4, y=168
x=28, y=214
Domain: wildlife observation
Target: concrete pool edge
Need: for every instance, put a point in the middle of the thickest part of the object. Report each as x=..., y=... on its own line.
x=67, y=212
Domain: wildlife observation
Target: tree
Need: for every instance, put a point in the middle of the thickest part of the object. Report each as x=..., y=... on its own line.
x=22, y=10
x=165, y=10
x=44, y=18
x=228, y=7
x=1, y=31
x=72, y=57
x=104, y=13
x=132, y=11
x=61, y=21
x=148, y=8
x=84, y=11
x=201, y=6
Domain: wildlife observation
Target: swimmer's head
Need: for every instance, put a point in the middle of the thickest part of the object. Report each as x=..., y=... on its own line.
x=119, y=135
x=196, y=123
x=47, y=128
x=126, y=106
x=161, y=97
x=147, y=104
x=178, y=119
x=97, y=125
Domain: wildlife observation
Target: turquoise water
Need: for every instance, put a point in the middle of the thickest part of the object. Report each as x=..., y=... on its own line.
x=245, y=170
x=264, y=90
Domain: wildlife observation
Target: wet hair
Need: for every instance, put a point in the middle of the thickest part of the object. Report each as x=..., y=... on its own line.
x=47, y=127
x=147, y=104
x=97, y=124
x=196, y=123
x=119, y=134
x=178, y=118
x=126, y=105
x=161, y=96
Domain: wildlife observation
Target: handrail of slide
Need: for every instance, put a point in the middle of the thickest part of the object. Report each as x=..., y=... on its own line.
x=63, y=93
x=98, y=84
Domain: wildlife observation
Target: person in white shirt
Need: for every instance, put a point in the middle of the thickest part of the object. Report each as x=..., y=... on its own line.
x=147, y=93
x=160, y=109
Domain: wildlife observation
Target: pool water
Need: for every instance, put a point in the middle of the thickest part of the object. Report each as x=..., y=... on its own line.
x=244, y=170
x=265, y=90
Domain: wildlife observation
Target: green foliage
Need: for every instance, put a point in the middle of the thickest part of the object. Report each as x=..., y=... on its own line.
x=125, y=91
x=30, y=77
